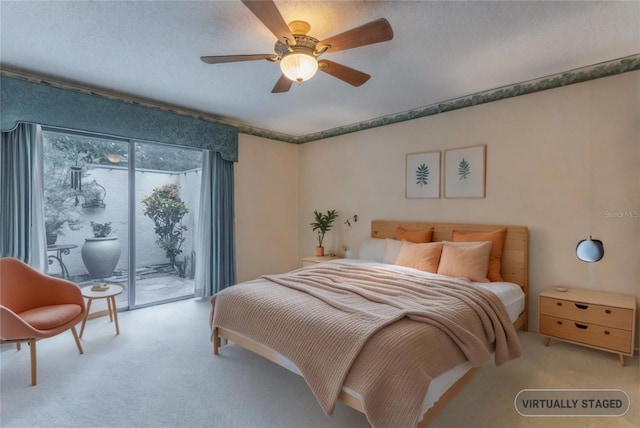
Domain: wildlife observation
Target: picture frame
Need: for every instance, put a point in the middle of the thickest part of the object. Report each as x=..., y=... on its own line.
x=465, y=172
x=422, y=175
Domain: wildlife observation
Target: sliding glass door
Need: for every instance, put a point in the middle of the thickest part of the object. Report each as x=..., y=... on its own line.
x=122, y=212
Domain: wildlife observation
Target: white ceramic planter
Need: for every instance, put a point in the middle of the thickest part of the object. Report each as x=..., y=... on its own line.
x=101, y=255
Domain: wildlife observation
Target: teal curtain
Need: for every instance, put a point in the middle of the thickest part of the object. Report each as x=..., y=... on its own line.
x=22, y=219
x=215, y=241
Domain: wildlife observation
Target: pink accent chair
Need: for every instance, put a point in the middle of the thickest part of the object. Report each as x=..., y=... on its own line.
x=36, y=306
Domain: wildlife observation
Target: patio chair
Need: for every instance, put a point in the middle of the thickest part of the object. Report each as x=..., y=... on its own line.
x=35, y=306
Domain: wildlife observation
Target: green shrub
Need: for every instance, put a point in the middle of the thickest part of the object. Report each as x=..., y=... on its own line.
x=166, y=209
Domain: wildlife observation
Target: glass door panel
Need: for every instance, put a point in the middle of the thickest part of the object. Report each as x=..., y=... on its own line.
x=167, y=194
x=86, y=209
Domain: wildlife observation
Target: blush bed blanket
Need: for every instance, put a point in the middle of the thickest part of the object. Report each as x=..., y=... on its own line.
x=382, y=332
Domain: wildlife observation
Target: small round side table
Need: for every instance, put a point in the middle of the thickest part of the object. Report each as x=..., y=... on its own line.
x=109, y=294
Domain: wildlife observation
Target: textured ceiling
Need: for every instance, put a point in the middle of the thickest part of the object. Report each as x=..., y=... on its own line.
x=440, y=51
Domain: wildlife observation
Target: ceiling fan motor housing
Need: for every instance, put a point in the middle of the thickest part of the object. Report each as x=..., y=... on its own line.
x=304, y=44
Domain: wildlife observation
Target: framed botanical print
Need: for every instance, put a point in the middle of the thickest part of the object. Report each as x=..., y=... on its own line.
x=423, y=175
x=464, y=172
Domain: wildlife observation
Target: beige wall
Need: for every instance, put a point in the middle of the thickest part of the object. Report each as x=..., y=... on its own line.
x=564, y=162
x=266, y=203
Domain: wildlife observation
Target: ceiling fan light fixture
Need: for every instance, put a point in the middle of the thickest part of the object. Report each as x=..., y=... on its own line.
x=299, y=66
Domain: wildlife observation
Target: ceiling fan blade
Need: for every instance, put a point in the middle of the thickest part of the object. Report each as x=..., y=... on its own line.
x=220, y=59
x=267, y=12
x=373, y=32
x=342, y=72
x=282, y=85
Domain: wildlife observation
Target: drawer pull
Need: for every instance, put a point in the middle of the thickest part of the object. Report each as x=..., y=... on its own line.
x=608, y=311
x=559, y=303
x=559, y=322
x=582, y=326
x=607, y=332
x=582, y=306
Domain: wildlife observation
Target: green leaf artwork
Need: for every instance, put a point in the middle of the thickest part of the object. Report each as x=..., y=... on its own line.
x=422, y=175
x=464, y=170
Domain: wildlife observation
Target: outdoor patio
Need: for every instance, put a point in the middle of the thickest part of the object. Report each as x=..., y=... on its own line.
x=154, y=283
x=92, y=229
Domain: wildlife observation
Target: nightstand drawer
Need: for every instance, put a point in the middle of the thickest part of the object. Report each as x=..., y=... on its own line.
x=589, y=334
x=585, y=312
x=310, y=261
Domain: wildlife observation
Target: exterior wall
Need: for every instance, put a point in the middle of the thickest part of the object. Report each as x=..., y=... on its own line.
x=564, y=162
x=115, y=181
x=266, y=202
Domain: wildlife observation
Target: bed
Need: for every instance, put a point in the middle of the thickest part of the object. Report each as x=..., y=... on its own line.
x=422, y=334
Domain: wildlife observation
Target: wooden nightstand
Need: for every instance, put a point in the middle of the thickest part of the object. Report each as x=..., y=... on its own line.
x=595, y=319
x=308, y=261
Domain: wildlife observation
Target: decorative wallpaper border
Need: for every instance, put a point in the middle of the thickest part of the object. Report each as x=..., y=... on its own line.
x=592, y=72
x=583, y=74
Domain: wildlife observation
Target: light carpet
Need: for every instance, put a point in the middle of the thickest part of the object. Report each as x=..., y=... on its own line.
x=160, y=372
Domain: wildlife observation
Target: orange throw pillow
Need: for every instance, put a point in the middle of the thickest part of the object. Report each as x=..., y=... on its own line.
x=497, y=243
x=424, y=256
x=417, y=236
x=468, y=260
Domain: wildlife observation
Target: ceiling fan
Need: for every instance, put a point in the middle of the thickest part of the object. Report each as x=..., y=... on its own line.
x=298, y=53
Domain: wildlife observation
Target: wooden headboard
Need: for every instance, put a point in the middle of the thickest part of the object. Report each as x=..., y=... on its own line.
x=515, y=253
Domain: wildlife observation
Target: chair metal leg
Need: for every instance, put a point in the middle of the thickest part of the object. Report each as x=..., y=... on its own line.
x=32, y=345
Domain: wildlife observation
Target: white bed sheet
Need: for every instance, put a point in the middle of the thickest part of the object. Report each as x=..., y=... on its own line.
x=509, y=293
x=511, y=296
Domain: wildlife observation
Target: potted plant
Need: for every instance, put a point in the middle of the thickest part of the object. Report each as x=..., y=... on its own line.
x=59, y=211
x=322, y=224
x=101, y=253
x=52, y=227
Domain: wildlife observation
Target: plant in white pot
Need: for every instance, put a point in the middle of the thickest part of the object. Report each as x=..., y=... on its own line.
x=101, y=253
x=322, y=224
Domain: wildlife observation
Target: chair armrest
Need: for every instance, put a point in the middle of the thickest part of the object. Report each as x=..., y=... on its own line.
x=12, y=326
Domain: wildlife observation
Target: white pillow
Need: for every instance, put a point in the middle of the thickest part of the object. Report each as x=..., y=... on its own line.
x=392, y=251
x=373, y=249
